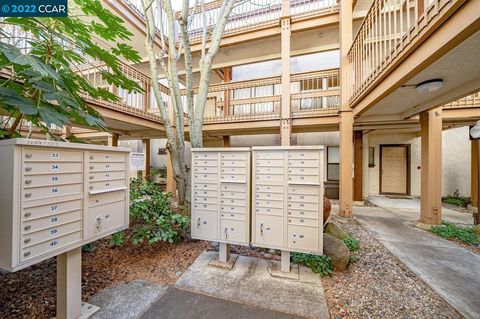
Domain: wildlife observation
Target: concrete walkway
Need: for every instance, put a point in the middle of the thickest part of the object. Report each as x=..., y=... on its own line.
x=450, y=270
x=409, y=208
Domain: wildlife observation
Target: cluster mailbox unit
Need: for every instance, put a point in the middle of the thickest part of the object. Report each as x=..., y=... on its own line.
x=221, y=194
x=58, y=196
x=286, y=190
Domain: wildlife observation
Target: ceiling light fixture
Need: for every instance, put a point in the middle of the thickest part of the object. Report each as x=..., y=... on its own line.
x=429, y=86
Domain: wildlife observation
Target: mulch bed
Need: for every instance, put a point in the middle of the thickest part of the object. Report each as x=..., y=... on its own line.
x=378, y=285
x=30, y=293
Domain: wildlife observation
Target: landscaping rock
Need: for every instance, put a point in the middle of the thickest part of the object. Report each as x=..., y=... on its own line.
x=337, y=251
x=327, y=208
x=336, y=231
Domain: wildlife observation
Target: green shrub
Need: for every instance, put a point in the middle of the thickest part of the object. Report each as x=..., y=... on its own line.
x=351, y=243
x=451, y=231
x=321, y=265
x=353, y=259
x=151, y=218
x=456, y=200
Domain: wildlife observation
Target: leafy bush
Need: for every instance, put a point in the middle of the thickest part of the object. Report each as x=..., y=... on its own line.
x=457, y=200
x=451, y=231
x=321, y=265
x=351, y=243
x=151, y=218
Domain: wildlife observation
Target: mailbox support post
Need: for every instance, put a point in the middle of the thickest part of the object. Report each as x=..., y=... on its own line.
x=285, y=261
x=223, y=252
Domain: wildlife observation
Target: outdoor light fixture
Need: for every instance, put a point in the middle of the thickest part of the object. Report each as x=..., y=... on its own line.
x=475, y=135
x=475, y=131
x=429, y=86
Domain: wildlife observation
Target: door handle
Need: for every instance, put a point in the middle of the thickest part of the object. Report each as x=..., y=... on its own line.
x=226, y=232
x=261, y=229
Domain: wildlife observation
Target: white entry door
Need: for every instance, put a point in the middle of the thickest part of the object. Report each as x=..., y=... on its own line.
x=394, y=170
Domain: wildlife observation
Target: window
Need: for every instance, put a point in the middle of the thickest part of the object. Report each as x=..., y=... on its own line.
x=333, y=163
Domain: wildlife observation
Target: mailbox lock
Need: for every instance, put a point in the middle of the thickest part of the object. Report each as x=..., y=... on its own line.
x=261, y=229
x=26, y=254
x=28, y=155
x=91, y=177
x=226, y=232
x=198, y=222
x=28, y=181
x=28, y=168
x=92, y=157
x=27, y=240
x=27, y=214
x=27, y=227
x=91, y=166
x=27, y=195
x=91, y=187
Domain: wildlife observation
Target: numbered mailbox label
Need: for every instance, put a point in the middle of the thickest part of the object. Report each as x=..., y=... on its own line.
x=55, y=190
x=55, y=167
x=53, y=208
x=55, y=179
x=107, y=166
x=54, y=243
x=54, y=220
x=53, y=232
x=55, y=155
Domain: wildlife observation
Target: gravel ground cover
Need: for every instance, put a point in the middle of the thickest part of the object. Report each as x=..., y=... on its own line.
x=378, y=285
x=30, y=293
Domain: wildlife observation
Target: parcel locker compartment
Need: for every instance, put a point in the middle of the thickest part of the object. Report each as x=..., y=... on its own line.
x=233, y=195
x=106, y=176
x=106, y=185
x=205, y=225
x=269, y=155
x=303, y=213
x=53, y=220
x=106, y=218
x=205, y=177
x=205, y=206
x=234, y=202
x=304, y=189
x=205, y=155
x=303, y=198
x=233, y=170
x=29, y=238
x=303, y=237
x=269, y=230
x=233, y=230
x=205, y=193
x=106, y=167
x=270, y=163
x=206, y=163
x=303, y=206
x=303, y=170
x=49, y=246
x=51, y=191
x=52, y=179
x=269, y=188
x=49, y=168
x=205, y=200
x=206, y=169
x=301, y=221
x=270, y=170
x=307, y=179
x=205, y=186
x=106, y=198
x=235, y=155
x=303, y=163
x=51, y=209
x=304, y=154
x=268, y=196
x=233, y=187
x=51, y=155
x=242, y=178
x=233, y=163
x=269, y=203
x=235, y=216
x=269, y=211
x=106, y=157
x=269, y=178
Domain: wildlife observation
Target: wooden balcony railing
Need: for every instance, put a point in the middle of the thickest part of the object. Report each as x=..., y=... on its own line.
x=472, y=100
x=250, y=15
x=390, y=29
x=312, y=94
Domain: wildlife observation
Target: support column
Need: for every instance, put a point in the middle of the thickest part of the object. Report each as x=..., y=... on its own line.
x=358, y=165
x=346, y=114
x=227, y=77
x=226, y=141
x=431, y=165
x=146, y=150
x=285, y=113
x=474, y=172
x=69, y=284
x=223, y=252
x=286, y=121
x=346, y=164
x=113, y=140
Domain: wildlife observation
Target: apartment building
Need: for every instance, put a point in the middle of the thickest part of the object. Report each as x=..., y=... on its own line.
x=389, y=86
